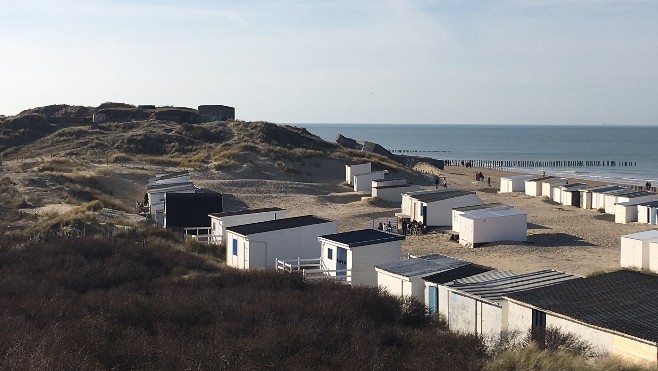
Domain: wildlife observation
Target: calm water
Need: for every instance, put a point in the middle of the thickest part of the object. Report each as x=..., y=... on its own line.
x=526, y=143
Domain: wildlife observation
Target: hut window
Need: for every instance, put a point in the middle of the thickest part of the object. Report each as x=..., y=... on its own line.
x=235, y=247
x=538, y=330
x=330, y=253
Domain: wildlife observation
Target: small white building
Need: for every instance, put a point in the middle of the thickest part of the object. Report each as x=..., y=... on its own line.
x=614, y=312
x=363, y=182
x=258, y=245
x=647, y=212
x=352, y=256
x=598, y=195
x=459, y=211
x=626, y=195
x=625, y=207
x=220, y=221
x=388, y=182
x=434, y=207
x=547, y=185
x=171, y=178
x=405, y=277
x=156, y=197
x=491, y=226
x=570, y=194
x=533, y=187
x=476, y=304
x=393, y=193
x=635, y=249
x=515, y=183
x=435, y=298
x=356, y=169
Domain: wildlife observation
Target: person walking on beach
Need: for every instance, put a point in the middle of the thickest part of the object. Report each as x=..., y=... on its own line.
x=489, y=181
x=436, y=183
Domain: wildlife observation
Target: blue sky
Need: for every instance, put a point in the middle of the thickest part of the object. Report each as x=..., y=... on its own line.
x=366, y=61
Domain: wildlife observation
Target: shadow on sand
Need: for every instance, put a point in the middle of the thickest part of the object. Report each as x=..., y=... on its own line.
x=556, y=240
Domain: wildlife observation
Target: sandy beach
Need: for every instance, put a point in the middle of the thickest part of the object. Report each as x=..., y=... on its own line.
x=560, y=237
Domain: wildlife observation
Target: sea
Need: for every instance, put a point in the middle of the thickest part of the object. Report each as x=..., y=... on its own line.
x=634, y=145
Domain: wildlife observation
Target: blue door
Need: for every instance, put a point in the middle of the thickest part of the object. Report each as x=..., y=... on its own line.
x=341, y=263
x=434, y=300
x=423, y=212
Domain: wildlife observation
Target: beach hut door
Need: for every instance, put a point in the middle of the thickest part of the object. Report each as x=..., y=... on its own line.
x=423, y=213
x=434, y=300
x=341, y=263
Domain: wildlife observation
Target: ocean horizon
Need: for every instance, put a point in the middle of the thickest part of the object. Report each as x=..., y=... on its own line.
x=633, y=144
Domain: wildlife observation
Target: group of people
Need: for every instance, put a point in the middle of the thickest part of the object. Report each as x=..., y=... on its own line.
x=437, y=182
x=388, y=227
x=480, y=178
x=413, y=227
x=647, y=186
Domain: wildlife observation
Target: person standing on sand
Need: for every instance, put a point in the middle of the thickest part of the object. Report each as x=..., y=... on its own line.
x=436, y=183
x=489, y=181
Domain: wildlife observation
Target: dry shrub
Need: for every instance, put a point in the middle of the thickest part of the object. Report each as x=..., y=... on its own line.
x=119, y=158
x=95, y=205
x=102, y=304
x=160, y=160
x=60, y=165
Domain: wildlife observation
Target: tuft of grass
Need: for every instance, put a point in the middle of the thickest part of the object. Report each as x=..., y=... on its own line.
x=59, y=165
x=119, y=158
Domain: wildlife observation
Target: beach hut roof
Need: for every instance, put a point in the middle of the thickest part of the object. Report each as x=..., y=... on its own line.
x=394, y=186
x=457, y=273
x=493, y=214
x=573, y=187
x=554, y=180
x=441, y=195
x=540, y=179
x=646, y=235
x=169, y=186
x=423, y=265
x=609, y=189
x=636, y=194
x=244, y=212
x=362, y=237
x=494, y=290
x=649, y=203
x=480, y=207
x=623, y=301
x=274, y=225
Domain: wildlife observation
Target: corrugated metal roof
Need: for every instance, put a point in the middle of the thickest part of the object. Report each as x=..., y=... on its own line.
x=423, y=265
x=623, y=301
x=636, y=194
x=274, y=225
x=457, y=273
x=363, y=237
x=245, y=212
x=540, y=179
x=602, y=189
x=493, y=214
x=160, y=187
x=439, y=196
x=573, y=187
x=554, y=181
x=485, y=277
x=649, y=203
x=609, y=189
x=480, y=207
x=646, y=235
x=495, y=289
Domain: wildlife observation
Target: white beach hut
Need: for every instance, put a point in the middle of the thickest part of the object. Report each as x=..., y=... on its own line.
x=598, y=195
x=393, y=193
x=352, y=256
x=613, y=312
x=635, y=249
x=570, y=194
x=405, y=277
x=490, y=226
x=476, y=304
x=388, y=182
x=647, y=212
x=434, y=207
x=547, y=186
x=363, y=182
x=259, y=245
x=515, y=183
x=356, y=169
x=459, y=211
x=220, y=221
x=626, y=203
x=533, y=187
x=435, y=298
x=156, y=197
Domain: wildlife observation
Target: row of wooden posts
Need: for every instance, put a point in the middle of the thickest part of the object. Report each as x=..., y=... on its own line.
x=540, y=164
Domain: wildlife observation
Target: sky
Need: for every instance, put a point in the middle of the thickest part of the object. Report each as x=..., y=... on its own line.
x=340, y=61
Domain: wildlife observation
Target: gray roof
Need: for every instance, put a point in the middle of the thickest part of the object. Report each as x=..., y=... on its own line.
x=363, y=237
x=456, y=273
x=431, y=196
x=649, y=203
x=421, y=266
x=609, y=189
x=540, y=179
x=245, y=212
x=622, y=301
x=158, y=187
x=480, y=207
x=494, y=290
x=573, y=187
x=636, y=194
x=275, y=225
